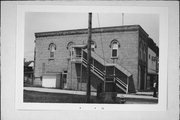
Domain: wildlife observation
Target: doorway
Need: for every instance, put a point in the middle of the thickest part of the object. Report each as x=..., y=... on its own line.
x=64, y=80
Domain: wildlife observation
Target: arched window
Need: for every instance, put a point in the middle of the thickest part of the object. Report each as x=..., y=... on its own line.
x=52, y=49
x=114, y=45
x=69, y=45
x=93, y=45
x=70, y=48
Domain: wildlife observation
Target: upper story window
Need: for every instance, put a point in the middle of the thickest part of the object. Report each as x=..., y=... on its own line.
x=70, y=48
x=93, y=45
x=52, y=49
x=145, y=54
x=142, y=51
x=114, y=45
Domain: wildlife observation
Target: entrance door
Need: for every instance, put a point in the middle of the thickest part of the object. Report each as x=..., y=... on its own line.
x=64, y=79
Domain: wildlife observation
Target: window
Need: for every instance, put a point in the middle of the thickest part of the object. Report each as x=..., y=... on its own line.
x=144, y=51
x=145, y=54
x=64, y=77
x=52, y=49
x=78, y=52
x=114, y=45
x=114, y=53
x=115, y=50
x=69, y=45
x=153, y=59
x=93, y=45
x=70, y=48
x=140, y=50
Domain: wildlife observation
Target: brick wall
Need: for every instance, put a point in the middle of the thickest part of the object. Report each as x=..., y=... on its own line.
x=128, y=51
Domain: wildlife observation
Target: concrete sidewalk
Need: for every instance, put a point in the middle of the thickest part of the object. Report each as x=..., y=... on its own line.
x=51, y=90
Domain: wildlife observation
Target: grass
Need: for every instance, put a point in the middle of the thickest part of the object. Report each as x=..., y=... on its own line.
x=43, y=97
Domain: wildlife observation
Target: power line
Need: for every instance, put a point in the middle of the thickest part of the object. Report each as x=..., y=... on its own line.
x=101, y=38
x=102, y=48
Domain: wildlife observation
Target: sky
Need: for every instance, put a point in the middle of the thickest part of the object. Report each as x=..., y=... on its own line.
x=43, y=22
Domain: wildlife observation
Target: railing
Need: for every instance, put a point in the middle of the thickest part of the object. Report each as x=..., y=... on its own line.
x=101, y=74
x=121, y=84
x=94, y=69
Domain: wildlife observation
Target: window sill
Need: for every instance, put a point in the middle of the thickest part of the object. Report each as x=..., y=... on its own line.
x=51, y=58
x=114, y=57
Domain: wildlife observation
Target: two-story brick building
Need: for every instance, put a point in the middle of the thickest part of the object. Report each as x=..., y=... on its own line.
x=119, y=51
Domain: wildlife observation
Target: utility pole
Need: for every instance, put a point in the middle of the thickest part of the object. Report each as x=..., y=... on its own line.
x=89, y=59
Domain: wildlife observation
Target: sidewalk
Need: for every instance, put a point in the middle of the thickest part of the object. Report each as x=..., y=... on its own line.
x=145, y=93
x=139, y=95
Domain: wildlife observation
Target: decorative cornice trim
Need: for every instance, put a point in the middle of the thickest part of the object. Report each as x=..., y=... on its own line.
x=85, y=31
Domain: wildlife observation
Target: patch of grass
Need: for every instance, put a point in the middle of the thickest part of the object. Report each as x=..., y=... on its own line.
x=43, y=97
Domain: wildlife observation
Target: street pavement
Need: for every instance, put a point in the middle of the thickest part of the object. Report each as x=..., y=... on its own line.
x=138, y=95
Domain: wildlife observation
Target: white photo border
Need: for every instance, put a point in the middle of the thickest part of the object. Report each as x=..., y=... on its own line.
x=163, y=57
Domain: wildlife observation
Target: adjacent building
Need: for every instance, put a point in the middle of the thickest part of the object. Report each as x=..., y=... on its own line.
x=120, y=56
x=28, y=72
x=153, y=64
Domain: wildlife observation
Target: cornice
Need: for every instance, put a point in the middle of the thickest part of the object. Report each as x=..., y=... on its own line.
x=85, y=31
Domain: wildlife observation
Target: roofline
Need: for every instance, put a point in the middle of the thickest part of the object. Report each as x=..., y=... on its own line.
x=94, y=30
x=152, y=45
x=143, y=31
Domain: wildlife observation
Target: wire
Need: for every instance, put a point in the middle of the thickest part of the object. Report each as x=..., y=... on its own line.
x=101, y=38
x=102, y=51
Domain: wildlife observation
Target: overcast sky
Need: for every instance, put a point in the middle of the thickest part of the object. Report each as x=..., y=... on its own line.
x=43, y=22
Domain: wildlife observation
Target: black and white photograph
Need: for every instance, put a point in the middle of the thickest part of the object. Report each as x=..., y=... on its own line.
x=91, y=57
x=89, y=60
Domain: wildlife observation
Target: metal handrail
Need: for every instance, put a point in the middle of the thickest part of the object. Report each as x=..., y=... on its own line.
x=121, y=88
x=96, y=73
x=122, y=84
x=125, y=89
x=120, y=81
x=95, y=69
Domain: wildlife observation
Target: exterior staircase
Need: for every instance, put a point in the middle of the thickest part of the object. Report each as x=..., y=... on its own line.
x=113, y=76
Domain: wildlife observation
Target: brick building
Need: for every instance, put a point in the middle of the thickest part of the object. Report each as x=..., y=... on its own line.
x=119, y=54
x=153, y=59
